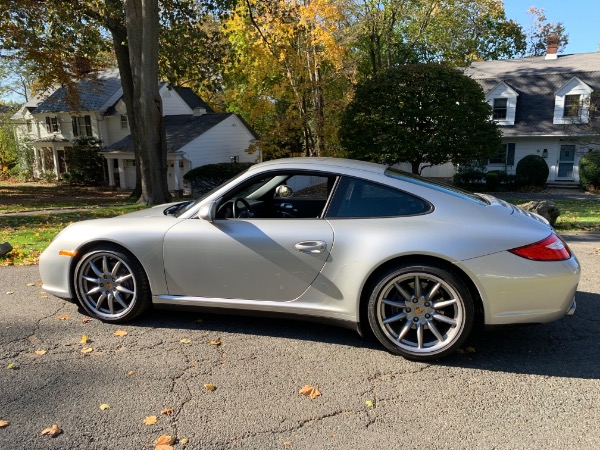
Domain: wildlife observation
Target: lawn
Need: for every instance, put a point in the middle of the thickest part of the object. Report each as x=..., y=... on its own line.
x=575, y=215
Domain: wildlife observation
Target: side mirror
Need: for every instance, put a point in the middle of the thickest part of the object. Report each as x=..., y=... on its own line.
x=208, y=212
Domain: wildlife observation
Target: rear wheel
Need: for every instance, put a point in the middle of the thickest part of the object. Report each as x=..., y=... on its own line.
x=422, y=312
x=111, y=285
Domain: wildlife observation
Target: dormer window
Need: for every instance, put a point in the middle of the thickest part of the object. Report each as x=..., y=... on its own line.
x=503, y=100
x=500, y=108
x=572, y=106
x=572, y=103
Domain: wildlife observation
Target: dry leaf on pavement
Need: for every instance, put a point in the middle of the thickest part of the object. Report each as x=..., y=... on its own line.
x=41, y=352
x=165, y=439
x=84, y=339
x=164, y=447
x=185, y=341
x=65, y=317
x=215, y=342
x=167, y=411
x=104, y=406
x=120, y=333
x=87, y=350
x=210, y=387
x=310, y=391
x=53, y=431
x=86, y=320
x=150, y=420
x=4, y=423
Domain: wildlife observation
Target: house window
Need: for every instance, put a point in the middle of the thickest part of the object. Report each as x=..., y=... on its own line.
x=52, y=124
x=82, y=126
x=29, y=126
x=500, y=108
x=572, y=105
x=124, y=122
x=505, y=155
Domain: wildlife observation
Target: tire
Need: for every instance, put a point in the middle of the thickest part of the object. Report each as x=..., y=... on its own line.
x=422, y=312
x=111, y=284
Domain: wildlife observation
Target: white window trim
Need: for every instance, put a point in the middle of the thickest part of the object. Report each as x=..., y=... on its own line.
x=503, y=90
x=572, y=87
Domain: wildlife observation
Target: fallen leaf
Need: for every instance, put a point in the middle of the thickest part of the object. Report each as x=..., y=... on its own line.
x=150, y=420
x=41, y=352
x=120, y=333
x=215, y=343
x=53, y=431
x=87, y=350
x=287, y=443
x=210, y=387
x=10, y=292
x=184, y=441
x=30, y=284
x=167, y=411
x=369, y=403
x=65, y=317
x=131, y=373
x=40, y=283
x=165, y=439
x=86, y=320
x=104, y=406
x=164, y=447
x=84, y=339
x=310, y=391
x=185, y=341
x=12, y=366
x=4, y=423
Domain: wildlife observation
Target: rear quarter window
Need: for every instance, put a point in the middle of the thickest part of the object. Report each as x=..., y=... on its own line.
x=360, y=198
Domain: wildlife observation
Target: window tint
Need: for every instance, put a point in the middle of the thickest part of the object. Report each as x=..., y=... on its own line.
x=360, y=198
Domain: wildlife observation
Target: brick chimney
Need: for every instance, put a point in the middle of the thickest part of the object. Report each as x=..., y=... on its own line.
x=552, y=46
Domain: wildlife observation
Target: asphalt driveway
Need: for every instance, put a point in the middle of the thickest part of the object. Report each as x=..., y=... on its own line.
x=521, y=387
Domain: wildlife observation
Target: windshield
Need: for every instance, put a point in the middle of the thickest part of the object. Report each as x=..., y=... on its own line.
x=434, y=184
x=191, y=204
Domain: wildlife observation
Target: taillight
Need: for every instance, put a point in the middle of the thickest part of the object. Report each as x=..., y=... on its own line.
x=552, y=248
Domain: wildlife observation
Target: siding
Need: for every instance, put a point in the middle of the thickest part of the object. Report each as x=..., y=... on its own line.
x=173, y=105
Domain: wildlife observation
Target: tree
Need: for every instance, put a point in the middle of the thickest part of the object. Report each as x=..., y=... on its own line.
x=9, y=153
x=424, y=114
x=541, y=30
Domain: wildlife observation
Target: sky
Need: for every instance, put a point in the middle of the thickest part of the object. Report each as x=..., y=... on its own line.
x=581, y=19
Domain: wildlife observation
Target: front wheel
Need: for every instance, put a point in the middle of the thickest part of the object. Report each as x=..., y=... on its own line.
x=111, y=284
x=422, y=312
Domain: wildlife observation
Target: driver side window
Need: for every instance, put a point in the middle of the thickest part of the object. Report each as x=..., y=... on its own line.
x=279, y=195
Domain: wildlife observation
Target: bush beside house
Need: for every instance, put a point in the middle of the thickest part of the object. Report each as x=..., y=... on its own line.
x=589, y=171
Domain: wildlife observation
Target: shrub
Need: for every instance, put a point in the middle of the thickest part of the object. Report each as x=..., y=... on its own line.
x=84, y=164
x=492, y=181
x=468, y=177
x=532, y=170
x=589, y=171
x=204, y=178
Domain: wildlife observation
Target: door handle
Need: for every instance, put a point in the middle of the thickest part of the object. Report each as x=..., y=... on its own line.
x=311, y=247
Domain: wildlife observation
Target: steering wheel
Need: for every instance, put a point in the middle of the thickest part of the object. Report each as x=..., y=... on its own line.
x=244, y=202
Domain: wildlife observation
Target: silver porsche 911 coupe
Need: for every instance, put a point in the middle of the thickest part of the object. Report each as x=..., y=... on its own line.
x=355, y=243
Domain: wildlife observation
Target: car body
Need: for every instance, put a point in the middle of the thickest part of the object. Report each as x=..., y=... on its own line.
x=356, y=243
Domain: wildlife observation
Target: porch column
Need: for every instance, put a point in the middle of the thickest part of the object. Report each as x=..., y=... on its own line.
x=36, y=163
x=111, y=171
x=178, y=186
x=43, y=160
x=122, y=181
x=56, y=166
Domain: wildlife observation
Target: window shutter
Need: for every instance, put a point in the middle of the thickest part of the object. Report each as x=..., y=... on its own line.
x=88, y=125
x=510, y=155
x=48, y=125
x=74, y=125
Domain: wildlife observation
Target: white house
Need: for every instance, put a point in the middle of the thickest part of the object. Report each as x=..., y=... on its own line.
x=196, y=135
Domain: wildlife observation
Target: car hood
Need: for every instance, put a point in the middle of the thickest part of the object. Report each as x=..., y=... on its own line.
x=155, y=211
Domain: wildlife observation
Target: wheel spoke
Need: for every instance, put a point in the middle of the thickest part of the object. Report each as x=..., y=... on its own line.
x=434, y=330
x=100, y=301
x=115, y=269
x=403, y=331
x=403, y=293
x=417, y=286
x=111, y=305
x=120, y=300
x=433, y=291
x=395, y=318
x=444, y=303
x=92, y=280
x=97, y=271
x=93, y=290
x=123, y=278
x=125, y=290
x=419, y=335
x=445, y=319
x=105, y=265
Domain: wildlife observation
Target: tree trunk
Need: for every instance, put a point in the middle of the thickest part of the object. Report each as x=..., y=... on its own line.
x=142, y=34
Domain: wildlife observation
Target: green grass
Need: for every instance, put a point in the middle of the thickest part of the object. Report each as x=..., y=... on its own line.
x=575, y=215
x=30, y=235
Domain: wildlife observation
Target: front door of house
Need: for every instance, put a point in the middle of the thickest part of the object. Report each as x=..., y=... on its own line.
x=566, y=162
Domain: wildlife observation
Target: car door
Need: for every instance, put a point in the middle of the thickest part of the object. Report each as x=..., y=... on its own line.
x=253, y=258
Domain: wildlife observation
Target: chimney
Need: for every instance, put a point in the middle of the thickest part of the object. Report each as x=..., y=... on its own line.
x=552, y=46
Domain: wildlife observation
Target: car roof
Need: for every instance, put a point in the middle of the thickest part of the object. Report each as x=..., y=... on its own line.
x=325, y=163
